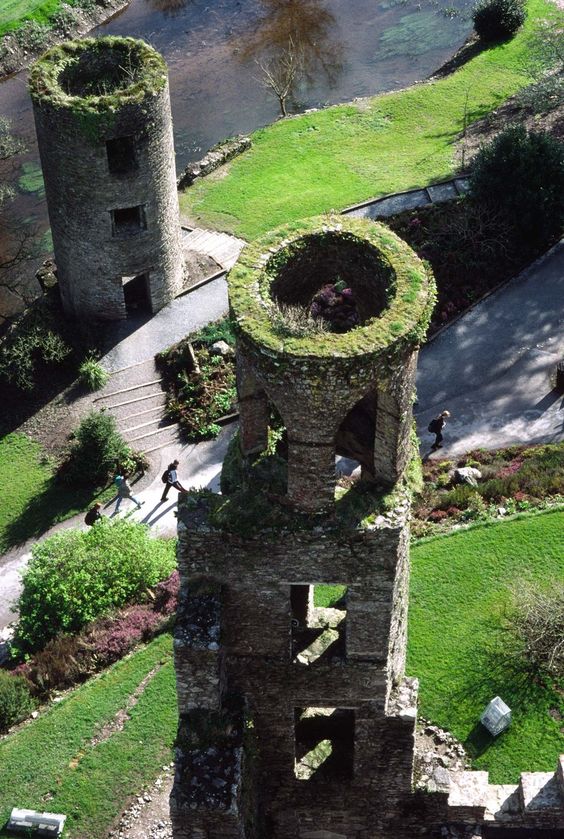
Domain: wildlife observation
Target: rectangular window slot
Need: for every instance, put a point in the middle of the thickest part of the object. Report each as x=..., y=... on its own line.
x=128, y=221
x=324, y=744
x=318, y=623
x=121, y=155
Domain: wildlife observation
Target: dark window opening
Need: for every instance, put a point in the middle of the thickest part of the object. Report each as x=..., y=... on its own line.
x=128, y=221
x=137, y=294
x=318, y=623
x=121, y=155
x=324, y=744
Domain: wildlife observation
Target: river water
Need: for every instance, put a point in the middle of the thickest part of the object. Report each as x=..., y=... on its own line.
x=213, y=50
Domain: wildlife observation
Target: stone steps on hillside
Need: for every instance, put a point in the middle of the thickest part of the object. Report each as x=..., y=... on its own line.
x=221, y=247
x=135, y=397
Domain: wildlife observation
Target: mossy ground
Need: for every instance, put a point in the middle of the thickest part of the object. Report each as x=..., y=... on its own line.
x=309, y=164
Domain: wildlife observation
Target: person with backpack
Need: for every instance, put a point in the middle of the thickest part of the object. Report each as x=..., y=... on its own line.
x=170, y=479
x=124, y=491
x=435, y=427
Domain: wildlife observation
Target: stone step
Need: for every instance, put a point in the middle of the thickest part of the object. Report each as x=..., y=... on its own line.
x=540, y=792
x=143, y=407
x=165, y=436
x=503, y=802
x=221, y=247
x=468, y=795
x=149, y=423
x=135, y=374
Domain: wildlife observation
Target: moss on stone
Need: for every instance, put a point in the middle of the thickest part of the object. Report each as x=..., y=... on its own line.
x=254, y=498
x=134, y=71
x=404, y=319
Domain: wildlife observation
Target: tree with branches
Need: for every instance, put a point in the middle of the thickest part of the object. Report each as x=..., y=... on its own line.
x=281, y=73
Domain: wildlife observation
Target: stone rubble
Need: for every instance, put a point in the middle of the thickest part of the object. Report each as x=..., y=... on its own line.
x=138, y=821
x=437, y=753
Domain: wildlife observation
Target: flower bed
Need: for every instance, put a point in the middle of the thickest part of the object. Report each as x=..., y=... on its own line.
x=199, y=395
x=513, y=480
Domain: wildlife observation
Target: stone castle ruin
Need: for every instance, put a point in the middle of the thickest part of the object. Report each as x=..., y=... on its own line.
x=298, y=721
x=104, y=129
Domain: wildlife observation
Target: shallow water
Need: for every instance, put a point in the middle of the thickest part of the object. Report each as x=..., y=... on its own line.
x=351, y=47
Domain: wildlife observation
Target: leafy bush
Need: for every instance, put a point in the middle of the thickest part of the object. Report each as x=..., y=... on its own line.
x=16, y=702
x=536, y=620
x=34, y=338
x=496, y=20
x=166, y=595
x=57, y=667
x=98, y=449
x=522, y=175
x=92, y=374
x=32, y=36
x=75, y=576
x=111, y=639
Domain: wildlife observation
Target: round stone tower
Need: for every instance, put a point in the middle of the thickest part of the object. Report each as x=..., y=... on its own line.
x=104, y=129
x=348, y=393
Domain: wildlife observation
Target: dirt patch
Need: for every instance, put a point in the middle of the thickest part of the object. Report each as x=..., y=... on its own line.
x=481, y=133
x=119, y=720
x=14, y=56
x=148, y=816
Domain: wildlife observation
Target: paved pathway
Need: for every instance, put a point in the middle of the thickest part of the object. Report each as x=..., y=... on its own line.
x=493, y=369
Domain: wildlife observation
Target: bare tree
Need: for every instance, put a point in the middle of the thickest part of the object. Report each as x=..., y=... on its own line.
x=280, y=73
x=536, y=622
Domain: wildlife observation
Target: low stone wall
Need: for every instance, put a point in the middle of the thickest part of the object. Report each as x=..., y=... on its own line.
x=216, y=157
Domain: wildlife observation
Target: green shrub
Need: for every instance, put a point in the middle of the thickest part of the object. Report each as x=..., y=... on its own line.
x=15, y=700
x=92, y=374
x=97, y=451
x=75, y=576
x=522, y=175
x=496, y=20
x=34, y=338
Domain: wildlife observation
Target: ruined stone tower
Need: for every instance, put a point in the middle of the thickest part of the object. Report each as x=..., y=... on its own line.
x=297, y=721
x=102, y=115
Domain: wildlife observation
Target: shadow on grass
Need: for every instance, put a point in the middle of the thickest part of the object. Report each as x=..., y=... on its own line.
x=55, y=503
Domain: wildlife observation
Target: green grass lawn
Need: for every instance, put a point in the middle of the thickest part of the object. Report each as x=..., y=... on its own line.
x=51, y=765
x=31, y=499
x=459, y=588
x=15, y=12
x=342, y=155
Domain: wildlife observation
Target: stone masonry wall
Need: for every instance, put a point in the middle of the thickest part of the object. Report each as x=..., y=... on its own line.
x=81, y=193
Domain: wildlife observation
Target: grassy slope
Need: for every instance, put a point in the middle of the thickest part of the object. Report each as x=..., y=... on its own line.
x=31, y=499
x=459, y=586
x=15, y=12
x=326, y=160
x=92, y=783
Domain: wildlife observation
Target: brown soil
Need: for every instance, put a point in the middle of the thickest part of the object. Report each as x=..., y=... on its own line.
x=484, y=130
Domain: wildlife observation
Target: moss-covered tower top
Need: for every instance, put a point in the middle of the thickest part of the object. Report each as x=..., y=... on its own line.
x=95, y=78
x=393, y=291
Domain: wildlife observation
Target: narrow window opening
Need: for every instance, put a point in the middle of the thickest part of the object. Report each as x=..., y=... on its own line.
x=121, y=155
x=128, y=221
x=318, y=623
x=324, y=744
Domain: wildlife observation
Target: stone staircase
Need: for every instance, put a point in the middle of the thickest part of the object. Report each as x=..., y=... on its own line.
x=135, y=397
x=221, y=247
x=536, y=801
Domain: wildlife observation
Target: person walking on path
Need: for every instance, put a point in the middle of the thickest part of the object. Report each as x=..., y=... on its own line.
x=170, y=479
x=124, y=491
x=436, y=427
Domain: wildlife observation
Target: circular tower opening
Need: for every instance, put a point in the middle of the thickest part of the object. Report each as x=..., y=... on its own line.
x=102, y=69
x=334, y=278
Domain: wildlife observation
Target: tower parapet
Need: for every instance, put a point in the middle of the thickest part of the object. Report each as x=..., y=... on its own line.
x=348, y=393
